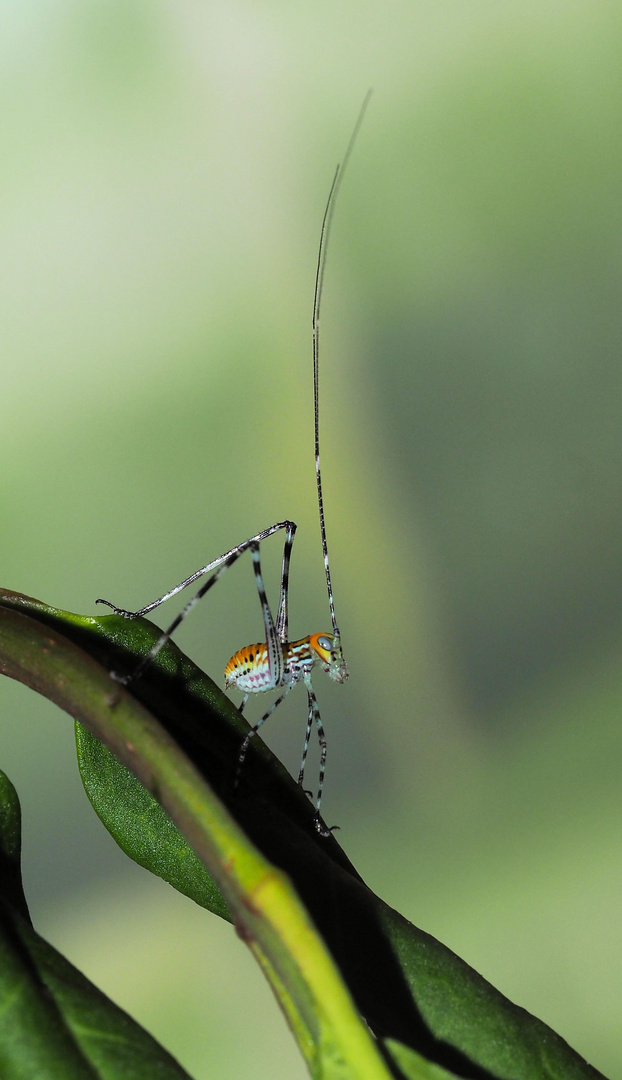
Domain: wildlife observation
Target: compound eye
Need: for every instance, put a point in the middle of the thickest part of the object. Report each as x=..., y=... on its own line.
x=325, y=642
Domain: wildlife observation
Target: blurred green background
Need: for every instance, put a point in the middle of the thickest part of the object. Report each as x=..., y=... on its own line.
x=163, y=173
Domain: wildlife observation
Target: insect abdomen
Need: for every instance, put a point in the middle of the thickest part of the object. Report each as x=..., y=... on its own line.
x=248, y=670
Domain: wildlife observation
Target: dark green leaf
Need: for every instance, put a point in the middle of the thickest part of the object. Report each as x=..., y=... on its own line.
x=140, y=826
x=414, y=1067
x=407, y=986
x=470, y=1020
x=54, y=1024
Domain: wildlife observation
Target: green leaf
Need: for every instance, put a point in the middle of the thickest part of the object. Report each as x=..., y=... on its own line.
x=465, y=1012
x=267, y=912
x=54, y=1024
x=140, y=826
x=413, y=1066
x=406, y=985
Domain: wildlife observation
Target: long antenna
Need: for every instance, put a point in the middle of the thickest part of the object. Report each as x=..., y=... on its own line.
x=327, y=221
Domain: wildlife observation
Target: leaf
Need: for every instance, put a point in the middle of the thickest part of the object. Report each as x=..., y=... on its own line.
x=408, y=987
x=267, y=912
x=54, y=1024
x=140, y=826
x=413, y=1066
x=470, y=1020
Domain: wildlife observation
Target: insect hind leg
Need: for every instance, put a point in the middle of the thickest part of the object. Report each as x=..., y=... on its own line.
x=276, y=666
x=282, y=614
x=170, y=630
x=219, y=566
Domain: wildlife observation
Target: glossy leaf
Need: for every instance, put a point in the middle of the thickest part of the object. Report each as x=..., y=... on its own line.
x=267, y=911
x=140, y=826
x=409, y=988
x=54, y=1024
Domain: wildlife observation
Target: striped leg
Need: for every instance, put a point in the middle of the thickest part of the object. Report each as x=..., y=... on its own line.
x=315, y=714
x=229, y=557
x=170, y=630
x=276, y=662
x=301, y=774
x=219, y=565
x=282, y=614
x=253, y=731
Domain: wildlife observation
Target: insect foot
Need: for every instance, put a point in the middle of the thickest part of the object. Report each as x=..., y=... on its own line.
x=323, y=829
x=118, y=610
x=116, y=676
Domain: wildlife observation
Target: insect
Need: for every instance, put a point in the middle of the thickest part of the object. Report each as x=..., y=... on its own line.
x=276, y=663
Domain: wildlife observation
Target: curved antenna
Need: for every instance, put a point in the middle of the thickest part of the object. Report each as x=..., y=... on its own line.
x=327, y=221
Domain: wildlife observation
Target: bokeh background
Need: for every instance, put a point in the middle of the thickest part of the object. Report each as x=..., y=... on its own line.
x=163, y=173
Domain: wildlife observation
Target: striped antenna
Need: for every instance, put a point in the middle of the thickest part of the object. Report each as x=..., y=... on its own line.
x=317, y=299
